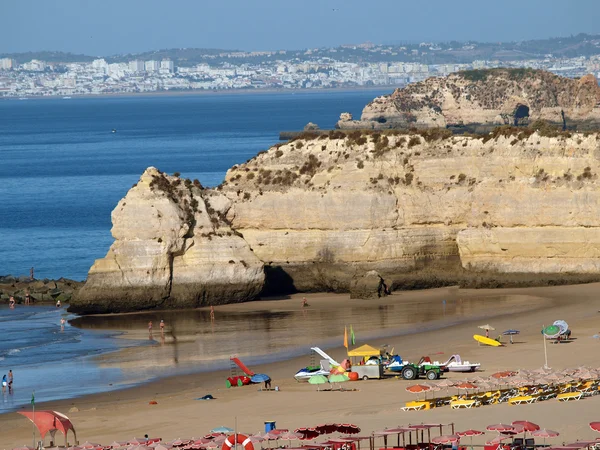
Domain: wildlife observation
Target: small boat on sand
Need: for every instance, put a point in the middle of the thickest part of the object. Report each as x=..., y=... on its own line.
x=456, y=364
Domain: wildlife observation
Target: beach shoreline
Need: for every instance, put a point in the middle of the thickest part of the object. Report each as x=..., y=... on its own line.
x=196, y=92
x=126, y=413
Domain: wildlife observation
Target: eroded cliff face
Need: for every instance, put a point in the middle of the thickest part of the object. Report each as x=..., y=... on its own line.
x=485, y=98
x=172, y=249
x=316, y=214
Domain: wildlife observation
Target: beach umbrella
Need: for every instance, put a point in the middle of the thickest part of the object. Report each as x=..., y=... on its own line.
x=595, y=426
x=510, y=333
x=211, y=445
x=307, y=434
x=116, y=444
x=260, y=378
x=447, y=439
x=466, y=385
x=290, y=436
x=418, y=388
x=543, y=433
x=562, y=325
x=498, y=440
x=221, y=430
x=503, y=374
x=551, y=332
x=338, y=378
x=470, y=434
x=501, y=428
x=318, y=379
x=486, y=327
x=348, y=428
x=526, y=425
x=326, y=428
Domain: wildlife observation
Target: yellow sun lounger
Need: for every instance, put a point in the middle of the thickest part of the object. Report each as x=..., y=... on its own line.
x=520, y=399
x=457, y=404
x=416, y=406
x=568, y=396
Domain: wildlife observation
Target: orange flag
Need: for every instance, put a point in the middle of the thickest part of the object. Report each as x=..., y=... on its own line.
x=346, y=338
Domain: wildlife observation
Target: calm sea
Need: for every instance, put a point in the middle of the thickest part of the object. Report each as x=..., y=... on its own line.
x=62, y=170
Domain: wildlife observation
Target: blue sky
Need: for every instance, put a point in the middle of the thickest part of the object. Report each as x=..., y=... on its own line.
x=105, y=27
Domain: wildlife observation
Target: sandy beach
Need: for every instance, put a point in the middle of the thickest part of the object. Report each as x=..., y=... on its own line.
x=122, y=415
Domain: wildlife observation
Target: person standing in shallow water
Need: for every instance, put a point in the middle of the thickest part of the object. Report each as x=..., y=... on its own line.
x=212, y=313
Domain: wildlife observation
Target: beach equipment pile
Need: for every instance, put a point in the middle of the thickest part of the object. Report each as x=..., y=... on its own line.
x=514, y=388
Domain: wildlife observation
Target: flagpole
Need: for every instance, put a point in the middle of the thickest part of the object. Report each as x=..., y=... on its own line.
x=33, y=404
x=545, y=351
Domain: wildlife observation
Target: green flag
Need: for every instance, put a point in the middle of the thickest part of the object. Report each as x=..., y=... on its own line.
x=352, y=337
x=32, y=399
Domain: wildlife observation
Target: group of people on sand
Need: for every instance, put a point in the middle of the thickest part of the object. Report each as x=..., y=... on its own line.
x=7, y=382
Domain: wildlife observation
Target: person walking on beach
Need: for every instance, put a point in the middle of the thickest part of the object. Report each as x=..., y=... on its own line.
x=304, y=302
x=162, y=326
x=212, y=313
x=4, y=383
x=150, y=326
x=10, y=381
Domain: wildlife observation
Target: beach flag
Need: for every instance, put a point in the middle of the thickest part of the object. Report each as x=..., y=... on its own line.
x=352, y=337
x=33, y=398
x=346, y=338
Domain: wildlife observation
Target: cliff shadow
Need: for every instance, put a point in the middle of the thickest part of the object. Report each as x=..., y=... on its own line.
x=278, y=283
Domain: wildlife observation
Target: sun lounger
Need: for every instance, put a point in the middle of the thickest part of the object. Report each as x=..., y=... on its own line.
x=520, y=399
x=415, y=406
x=457, y=404
x=568, y=396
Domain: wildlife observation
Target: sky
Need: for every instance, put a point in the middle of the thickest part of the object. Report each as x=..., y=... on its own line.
x=108, y=27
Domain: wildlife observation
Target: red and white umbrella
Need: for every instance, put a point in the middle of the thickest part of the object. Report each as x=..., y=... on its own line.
x=595, y=426
x=469, y=433
x=307, y=433
x=526, y=425
x=348, y=428
x=546, y=434
x=498, y=439
x=447, y=439
x=500, y=428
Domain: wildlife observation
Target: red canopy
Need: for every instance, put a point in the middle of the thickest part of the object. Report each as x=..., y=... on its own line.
x=526, y=425
x=50, y=421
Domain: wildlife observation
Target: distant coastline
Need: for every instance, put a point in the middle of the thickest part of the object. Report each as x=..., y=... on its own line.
x=206, y=92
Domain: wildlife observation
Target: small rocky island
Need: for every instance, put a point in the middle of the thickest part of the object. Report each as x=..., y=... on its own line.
x=355, y=210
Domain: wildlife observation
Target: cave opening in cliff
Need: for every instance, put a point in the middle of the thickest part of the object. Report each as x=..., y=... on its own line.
x=521, y=114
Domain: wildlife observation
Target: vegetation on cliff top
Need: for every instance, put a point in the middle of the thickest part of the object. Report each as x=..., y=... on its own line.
x=517, y=74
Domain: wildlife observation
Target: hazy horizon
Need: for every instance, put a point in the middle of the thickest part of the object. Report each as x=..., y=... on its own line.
x=116, y=27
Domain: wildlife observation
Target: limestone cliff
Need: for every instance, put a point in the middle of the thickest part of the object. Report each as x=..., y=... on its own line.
x=317, y=213
x=172, y=249
x=480, y=99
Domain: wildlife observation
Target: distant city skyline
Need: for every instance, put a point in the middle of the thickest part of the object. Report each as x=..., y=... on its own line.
x=118, y=27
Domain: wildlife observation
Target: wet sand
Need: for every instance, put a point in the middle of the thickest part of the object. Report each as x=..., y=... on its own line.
x=122, y=415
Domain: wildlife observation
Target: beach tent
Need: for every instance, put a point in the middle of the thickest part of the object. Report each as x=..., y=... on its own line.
x=365, y=351
x=50, y=421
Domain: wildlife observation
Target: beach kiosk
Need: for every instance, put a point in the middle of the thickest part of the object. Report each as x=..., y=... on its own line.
x=366, y=367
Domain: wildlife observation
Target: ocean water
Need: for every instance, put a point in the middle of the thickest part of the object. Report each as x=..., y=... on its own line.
x=91, y=354
x=62, y=170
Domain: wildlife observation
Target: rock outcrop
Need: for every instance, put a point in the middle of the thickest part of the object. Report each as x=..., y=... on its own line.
x=320, y=213
x=173, y=249
x=480, y=99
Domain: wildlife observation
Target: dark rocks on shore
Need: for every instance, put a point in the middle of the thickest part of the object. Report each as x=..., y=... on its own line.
x=40, y=291
x=370, y=285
